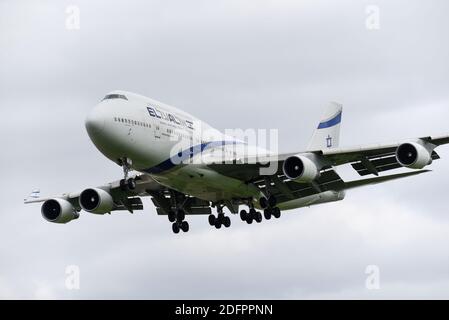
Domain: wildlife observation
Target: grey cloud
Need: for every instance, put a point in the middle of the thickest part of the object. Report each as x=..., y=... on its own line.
x=235, y=65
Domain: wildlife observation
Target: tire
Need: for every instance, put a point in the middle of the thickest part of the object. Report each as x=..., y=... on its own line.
x=220, y=218
x=185, y=226
x=212, y=220
x=171, y=216
x=243, y=215
x=263, y=202
x=276, y=213
x=131, y=184
x=249, y=220
x=217, y=224
x=258, y=217
x=272, y=201
x=175, y=228
x=267, y=214
x=123, y=186
x=180, y=215
x=227, y=222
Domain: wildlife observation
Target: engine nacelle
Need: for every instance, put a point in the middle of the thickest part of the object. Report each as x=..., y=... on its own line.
x=413, y=155
x=58, y=211
x=300, y=169
x=96, y=200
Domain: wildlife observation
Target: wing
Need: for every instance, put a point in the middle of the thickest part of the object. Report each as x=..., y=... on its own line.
x=365, y=160
x=163, y=198
x=381, y=156
x=122, y=199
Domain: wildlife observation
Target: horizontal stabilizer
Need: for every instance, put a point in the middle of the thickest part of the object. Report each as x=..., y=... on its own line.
x=371, y=181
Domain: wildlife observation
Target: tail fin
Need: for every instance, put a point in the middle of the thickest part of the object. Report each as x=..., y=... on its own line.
x=327, y=135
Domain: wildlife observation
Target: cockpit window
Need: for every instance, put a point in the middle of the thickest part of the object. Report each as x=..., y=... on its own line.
x=115, y=96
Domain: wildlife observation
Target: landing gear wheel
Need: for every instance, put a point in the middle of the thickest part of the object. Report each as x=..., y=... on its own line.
x=227, y=222
x=217, y=224
x=258, y=217
x=272, y=201
x=185, y=226
x=131, y=184
x=263, y=202
x=267, y=214
x=243, y=215
x=212, y=220
x=171, y=216
x=175, y=228
x=180, y=215
x=123, y=185
x=276, y=213
x=249, y=220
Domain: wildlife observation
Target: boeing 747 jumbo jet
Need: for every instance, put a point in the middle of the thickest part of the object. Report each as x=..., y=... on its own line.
x=188, y=168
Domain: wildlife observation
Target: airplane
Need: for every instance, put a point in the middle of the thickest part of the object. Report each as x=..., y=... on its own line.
x=187, y=167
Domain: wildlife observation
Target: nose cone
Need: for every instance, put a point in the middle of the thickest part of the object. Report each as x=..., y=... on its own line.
x=95, y=122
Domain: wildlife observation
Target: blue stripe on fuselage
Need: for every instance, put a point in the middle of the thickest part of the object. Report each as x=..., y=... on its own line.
x=185, y=155
x=332, y=122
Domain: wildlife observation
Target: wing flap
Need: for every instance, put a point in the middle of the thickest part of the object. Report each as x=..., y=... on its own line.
x=376, y=180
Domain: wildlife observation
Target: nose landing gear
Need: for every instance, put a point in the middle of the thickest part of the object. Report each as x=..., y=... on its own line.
x=127, y=184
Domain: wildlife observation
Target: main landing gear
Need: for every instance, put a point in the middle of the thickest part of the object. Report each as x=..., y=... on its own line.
x=219, y=220
x=251, y=216
x=270, y=210
x=177, y=218
x=127, y=184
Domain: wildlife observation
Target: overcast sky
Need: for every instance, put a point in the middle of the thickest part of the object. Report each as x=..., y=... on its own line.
x=234, y=64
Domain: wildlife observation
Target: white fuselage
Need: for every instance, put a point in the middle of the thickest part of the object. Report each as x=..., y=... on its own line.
x=156, y=137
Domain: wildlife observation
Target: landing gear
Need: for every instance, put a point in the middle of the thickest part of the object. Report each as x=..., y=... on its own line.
x=180, y=215
x=243, y=215
x=270, y=210
x=176, y=214
x=251, y=216
x=227, y=222
x=127, y=184
x=272, y=201
x=180, y=226
x=267, y=214
x=212, y=220
x=276, y=212
x=171, y=216
x=219, y=220
x=175, y=228
x=185, y=226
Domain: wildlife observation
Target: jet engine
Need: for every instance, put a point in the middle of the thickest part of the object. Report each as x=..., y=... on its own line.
x=413, y=155
x=58, y=211
x=300, y=169
x=96, y=201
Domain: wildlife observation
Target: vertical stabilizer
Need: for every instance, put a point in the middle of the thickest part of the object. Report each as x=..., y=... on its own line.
x=327, y=135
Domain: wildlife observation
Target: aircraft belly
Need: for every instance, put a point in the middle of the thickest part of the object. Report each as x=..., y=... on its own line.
x=206, y=184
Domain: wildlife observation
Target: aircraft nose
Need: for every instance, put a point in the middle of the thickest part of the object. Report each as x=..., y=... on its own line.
x=94, y=122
